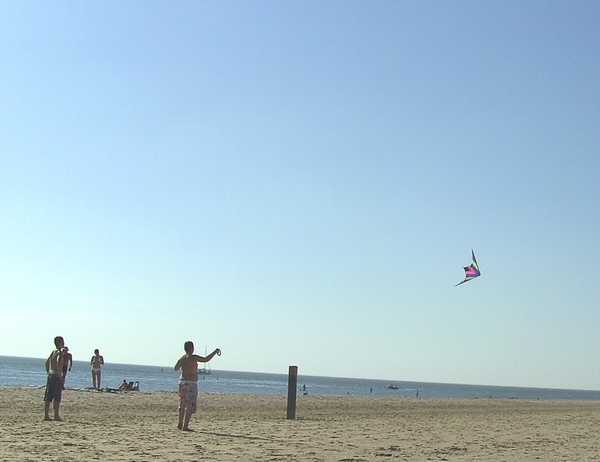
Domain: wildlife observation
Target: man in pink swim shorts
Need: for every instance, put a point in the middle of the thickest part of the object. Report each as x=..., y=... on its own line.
x=188, y=383
x=188, y=395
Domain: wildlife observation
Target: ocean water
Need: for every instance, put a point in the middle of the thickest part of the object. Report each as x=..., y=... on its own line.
x=30, y=372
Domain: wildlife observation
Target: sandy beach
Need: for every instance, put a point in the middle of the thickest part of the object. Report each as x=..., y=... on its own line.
x=139, y=426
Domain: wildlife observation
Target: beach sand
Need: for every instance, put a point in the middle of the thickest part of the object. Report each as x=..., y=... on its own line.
x=139, y=426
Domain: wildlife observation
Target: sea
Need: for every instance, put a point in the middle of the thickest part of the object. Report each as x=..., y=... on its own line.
x=30, y=372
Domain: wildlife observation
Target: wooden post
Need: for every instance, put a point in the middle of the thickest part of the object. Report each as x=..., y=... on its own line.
x=292, y=386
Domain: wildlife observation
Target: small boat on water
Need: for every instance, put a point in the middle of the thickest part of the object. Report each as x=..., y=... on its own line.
x=392, y=387
x=204, y=370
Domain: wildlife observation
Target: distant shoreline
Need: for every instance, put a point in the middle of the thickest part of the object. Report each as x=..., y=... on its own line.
x=21, y=371
x=308, y=397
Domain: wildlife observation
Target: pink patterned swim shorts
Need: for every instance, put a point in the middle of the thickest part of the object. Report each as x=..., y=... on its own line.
x=188, y=395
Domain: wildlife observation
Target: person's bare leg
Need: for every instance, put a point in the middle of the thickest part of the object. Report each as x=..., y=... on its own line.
x=99, y=376
x=47, y=410
x=186, y=426
x=181, y=416
x=56, y=409
x=96, y=379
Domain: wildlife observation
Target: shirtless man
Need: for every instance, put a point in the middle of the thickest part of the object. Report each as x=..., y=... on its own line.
x=67, y=363
x=188, y=383
x=97, y=361
x=54, y=383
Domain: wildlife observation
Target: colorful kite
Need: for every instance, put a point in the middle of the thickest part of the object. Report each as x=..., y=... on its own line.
x=471, y=271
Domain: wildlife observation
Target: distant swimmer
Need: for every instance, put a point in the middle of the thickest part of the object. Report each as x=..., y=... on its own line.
x=97, y=361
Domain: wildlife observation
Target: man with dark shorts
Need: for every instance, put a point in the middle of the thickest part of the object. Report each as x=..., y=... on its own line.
x=54, y=383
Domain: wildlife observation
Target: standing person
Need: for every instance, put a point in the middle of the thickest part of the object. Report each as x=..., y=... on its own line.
x=67, y=363
x=97, y=361
x=54, y=382
x=188, y=382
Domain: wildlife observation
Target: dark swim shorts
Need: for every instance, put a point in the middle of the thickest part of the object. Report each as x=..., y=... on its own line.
x=54, y=386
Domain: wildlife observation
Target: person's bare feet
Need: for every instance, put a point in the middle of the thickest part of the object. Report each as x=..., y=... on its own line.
x=47, y=419
x=58, y=419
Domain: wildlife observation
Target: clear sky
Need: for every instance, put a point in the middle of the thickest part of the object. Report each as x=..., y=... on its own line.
x=302, y=182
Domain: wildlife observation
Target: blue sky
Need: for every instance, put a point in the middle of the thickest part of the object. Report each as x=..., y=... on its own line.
x=302, y=183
